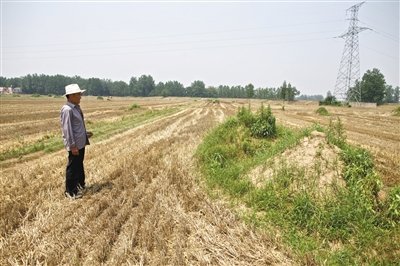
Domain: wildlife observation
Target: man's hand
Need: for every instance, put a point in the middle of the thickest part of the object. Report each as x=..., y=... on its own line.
x=75, y=151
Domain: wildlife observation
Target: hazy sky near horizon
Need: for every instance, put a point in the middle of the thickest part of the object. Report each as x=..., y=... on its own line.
x=220, y=43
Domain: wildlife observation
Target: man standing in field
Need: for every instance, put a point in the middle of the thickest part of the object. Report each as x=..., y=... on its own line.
x=75, y=139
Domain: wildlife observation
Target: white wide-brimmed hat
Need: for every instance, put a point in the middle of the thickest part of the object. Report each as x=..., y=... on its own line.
x=73, y=88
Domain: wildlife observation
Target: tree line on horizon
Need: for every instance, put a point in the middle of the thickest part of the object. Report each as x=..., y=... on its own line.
x=144, y=86
x=372, y=85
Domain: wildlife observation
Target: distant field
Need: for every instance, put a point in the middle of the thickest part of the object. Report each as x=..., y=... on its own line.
x=144, y=204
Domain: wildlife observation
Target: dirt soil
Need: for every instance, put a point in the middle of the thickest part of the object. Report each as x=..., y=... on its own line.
x=144, y=204
x=314, y=157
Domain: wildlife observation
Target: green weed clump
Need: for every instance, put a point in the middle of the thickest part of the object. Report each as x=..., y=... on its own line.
x=245, y=116
x=392, y=207
x=214, y=101
x=261, y=125
x=351, y=218
x=134, y=106
x=322, y=111
x=335, y=134
x=100, y=98
x=396, y=111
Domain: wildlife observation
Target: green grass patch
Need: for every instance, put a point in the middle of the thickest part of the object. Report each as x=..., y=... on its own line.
x=134, y=106
x=348, y=227
x=101, y=130
x=396, y=111
x=322, y=111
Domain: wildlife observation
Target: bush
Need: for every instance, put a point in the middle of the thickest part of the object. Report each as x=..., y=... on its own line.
x=396, y=111
x=134, y=106
x=245, y=116
x=261, y=125
x=330, y=100
x=335, y=133
x=322, y=111
x=264, y=124
x=100, y=98
x=35, y=95
x=392, y=206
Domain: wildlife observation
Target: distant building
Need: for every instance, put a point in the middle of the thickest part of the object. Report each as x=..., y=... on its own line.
x=10, y=90
x=17, y=90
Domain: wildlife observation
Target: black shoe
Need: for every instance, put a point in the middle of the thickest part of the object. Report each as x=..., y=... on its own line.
x=81, y=189
x=73, y=196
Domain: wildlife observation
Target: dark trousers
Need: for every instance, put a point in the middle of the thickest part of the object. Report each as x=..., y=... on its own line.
x=75, y=174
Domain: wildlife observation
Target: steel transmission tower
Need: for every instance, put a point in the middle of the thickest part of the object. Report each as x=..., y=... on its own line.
x=349, y=70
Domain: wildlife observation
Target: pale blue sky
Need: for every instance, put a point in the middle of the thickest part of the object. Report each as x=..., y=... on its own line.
x=220, y=43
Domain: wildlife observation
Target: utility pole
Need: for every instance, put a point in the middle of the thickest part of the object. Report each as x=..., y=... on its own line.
x=349, y=70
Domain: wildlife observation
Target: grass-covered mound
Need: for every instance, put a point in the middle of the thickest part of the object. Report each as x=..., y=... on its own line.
x=322, y=111
x=348, y=225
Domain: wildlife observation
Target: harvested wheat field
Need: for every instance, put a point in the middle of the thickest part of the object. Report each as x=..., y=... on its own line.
x=145, y=203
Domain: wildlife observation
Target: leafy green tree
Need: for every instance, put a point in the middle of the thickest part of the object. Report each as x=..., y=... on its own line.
x=389, y=94
x=119, y=88
x=288, y=92
x=212, y=92
x=330, y=100
x=223, y=91
x=396, y=94
x=174, y=88
x=292, y=92
x=283, y=90
x=3, y=81
x=197, y=89
x=133, y=89
x=372, y=87
x=145, y=85
x=250, y=91
x=96, y=86
x=160, y=90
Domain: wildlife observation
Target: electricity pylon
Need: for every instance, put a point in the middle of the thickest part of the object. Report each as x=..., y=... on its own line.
x=349, y=70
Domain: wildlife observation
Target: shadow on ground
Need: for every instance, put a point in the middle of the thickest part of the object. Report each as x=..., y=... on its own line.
x=97, y=187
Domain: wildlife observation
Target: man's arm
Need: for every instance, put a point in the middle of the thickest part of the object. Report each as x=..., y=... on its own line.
x=66, y=127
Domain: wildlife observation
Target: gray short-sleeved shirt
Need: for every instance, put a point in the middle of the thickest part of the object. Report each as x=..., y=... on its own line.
x=73, y=127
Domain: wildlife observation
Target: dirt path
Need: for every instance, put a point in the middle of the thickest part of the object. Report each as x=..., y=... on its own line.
x=144, y=205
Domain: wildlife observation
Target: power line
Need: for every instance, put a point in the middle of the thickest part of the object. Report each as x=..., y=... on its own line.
x=172, y=43
x=170, y=50
x=383, y=33
x=378, y=52
x=176, y=35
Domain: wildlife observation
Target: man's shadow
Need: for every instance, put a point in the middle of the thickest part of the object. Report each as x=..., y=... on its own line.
x=97, y=187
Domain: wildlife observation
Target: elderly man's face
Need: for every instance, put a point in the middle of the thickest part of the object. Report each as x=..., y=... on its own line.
x=75, y=98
